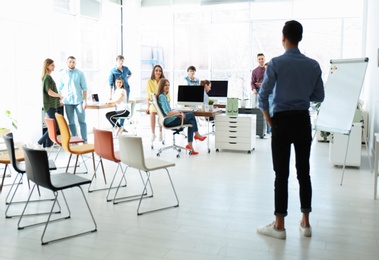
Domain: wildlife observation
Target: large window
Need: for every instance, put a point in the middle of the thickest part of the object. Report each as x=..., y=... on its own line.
x=222, y=41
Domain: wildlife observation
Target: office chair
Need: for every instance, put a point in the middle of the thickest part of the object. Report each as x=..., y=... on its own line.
x=176, y=129
x=19, y=167
x=77, y=149
x=132, y=154
x=37, y=169
x=6, y=160
x=104, y=148
x=127, y=118
x=52, y=130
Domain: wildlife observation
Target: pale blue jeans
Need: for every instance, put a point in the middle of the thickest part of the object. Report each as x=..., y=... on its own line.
x=70, y=112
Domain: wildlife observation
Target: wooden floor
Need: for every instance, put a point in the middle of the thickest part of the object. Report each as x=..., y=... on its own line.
x=224, y=196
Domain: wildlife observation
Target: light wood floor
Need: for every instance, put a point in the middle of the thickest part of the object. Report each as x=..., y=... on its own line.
x=224, y=196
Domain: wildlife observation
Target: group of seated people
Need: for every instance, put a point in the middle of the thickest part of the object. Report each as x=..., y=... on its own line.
x=160, y=86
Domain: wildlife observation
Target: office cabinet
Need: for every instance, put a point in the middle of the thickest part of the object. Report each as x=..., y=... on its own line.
x=235, y=132
x=338, y=145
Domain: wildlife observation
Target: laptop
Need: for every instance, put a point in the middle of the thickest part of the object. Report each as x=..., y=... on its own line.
x=95, y=98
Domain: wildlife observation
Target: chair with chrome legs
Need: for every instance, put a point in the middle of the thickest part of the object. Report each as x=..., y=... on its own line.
x=19, y=167
x=76, y=149
x=104, y=148
x=132, y=154
x=52, y=130
x=37, y=170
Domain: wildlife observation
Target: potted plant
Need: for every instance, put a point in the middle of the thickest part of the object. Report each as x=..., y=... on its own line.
x=210, y=103
x=7, y=122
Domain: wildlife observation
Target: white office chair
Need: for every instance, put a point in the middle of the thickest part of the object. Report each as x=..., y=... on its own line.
x=132, y=154
x=176, y=129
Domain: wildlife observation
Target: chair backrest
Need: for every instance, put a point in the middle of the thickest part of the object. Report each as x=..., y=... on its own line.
x=131, y=152
x=37, y=167
x=9, y=142
x=132, y=108
x=65, y=131
x=104, y=144
x=154, y=101
x=52, y=130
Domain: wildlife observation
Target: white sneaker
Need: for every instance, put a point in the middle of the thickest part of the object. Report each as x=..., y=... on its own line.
x=160, y=137
x=305, y=231
x=271, y=231
x=153, y=137
x=120, y=130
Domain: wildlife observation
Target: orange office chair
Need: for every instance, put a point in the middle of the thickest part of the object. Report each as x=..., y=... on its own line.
x=52, y=130
x=104, y=148
x=77, y=149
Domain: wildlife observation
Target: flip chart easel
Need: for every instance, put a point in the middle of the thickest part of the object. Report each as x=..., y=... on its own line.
x=342, y=91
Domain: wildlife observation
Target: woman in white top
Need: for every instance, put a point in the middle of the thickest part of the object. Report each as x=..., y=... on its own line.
x=119, y=100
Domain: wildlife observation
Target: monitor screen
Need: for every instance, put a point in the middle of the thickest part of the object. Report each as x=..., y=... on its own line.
x=219, y=88
x=190, y=95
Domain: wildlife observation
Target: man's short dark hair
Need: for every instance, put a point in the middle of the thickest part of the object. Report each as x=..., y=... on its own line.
x=260, y=54
x=119, y=57
x=191, y=68
x=293, y=31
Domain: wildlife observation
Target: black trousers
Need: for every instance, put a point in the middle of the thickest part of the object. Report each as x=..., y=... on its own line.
x=291, y=127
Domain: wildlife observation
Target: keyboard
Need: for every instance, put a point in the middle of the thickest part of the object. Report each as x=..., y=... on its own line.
x=185, y=109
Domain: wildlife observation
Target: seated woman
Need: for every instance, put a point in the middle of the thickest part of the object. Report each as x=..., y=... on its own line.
x=174, y=117
x=121, y=106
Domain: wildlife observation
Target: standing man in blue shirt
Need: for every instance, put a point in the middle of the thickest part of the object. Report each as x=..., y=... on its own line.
x=294, y=80
x=73, y=88
x=120, y=71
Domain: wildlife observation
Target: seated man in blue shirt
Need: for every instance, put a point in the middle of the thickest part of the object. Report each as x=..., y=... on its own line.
x=293, y=80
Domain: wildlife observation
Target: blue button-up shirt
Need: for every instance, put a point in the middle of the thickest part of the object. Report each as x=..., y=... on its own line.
x=124, y=74
x=293, y=80
x=72, y=85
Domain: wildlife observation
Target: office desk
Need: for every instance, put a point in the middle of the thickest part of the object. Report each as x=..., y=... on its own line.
x=213, y=113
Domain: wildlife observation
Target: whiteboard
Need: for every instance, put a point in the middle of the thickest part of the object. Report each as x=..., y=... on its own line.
x=342, y=91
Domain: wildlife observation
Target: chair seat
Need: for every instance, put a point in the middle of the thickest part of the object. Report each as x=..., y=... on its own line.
x=4, y=158
x=66, y=180
x=178, y=127
x=82, y=149
x=73, y=140
x=155, y=164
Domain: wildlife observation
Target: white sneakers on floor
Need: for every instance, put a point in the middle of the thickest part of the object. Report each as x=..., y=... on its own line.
x=271, y=231
x=305, y=231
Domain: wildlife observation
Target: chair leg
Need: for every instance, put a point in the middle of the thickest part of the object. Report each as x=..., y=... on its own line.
x=19, y=226
x=70, y=236
x=2, y=180
x=68, y=163
x=144, y=194
x=27, y=201
x=158, y=209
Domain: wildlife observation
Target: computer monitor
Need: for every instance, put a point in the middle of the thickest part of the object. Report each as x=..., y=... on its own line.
x=190, y=95
x=219, y=88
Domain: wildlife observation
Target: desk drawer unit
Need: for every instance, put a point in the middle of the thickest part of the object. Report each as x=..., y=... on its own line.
x=235, y=132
